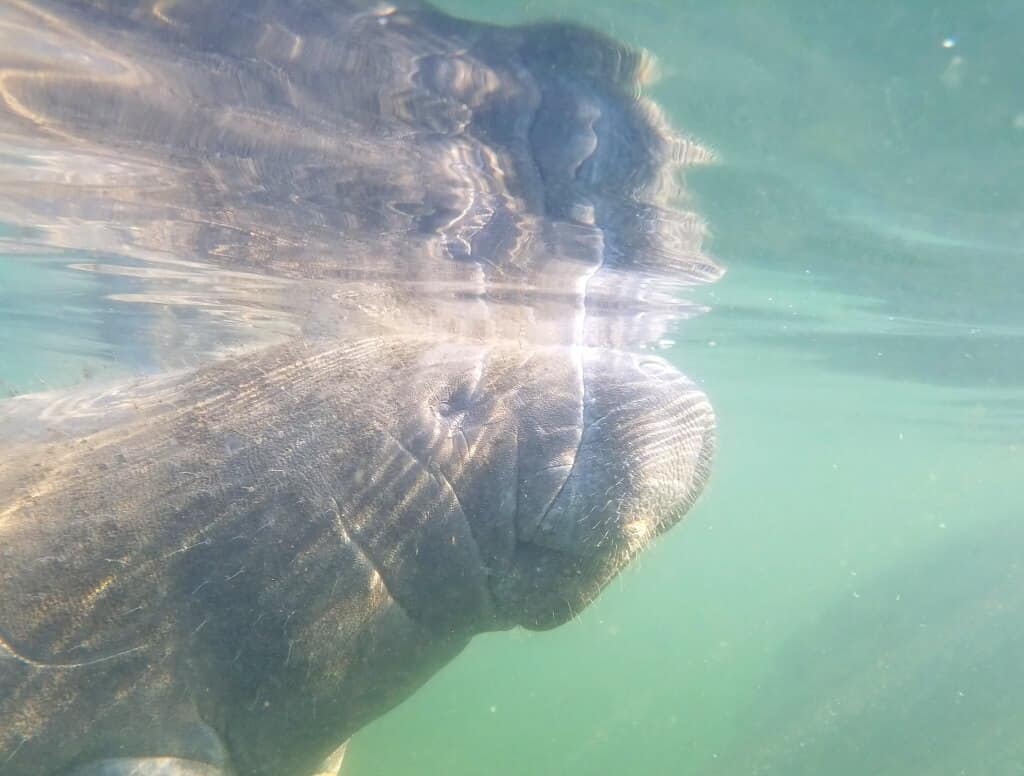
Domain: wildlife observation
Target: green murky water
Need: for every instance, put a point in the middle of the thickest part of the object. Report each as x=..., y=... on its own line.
x=848, y=595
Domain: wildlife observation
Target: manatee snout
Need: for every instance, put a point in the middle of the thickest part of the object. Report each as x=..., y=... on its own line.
x=641, y=462
x=648, y=434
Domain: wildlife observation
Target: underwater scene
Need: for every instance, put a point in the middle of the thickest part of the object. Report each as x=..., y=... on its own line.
x=391, y=389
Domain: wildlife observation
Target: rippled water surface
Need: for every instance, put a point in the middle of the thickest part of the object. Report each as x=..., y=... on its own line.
x=847, y=596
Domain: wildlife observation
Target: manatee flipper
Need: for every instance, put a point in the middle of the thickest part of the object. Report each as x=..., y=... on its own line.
x=331, y=766
x=148, y=766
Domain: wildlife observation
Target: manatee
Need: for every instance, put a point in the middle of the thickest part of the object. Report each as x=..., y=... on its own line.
x=388, y=281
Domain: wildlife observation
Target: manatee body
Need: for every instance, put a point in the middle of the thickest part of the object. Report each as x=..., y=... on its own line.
x=279, y=550
x=461, y=239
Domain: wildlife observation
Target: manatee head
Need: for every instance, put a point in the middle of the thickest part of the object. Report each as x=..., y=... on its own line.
x=564, y=463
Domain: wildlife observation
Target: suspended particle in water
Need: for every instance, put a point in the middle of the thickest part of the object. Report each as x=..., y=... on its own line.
x=949, y=42
x=953, y=75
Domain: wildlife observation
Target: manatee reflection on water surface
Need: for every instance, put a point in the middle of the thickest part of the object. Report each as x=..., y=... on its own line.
x=389, y=281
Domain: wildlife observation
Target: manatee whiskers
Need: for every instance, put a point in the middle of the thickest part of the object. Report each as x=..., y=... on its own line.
x=638, y=534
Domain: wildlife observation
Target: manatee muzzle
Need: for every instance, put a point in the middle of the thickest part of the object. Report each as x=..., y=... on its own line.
x=642, y=459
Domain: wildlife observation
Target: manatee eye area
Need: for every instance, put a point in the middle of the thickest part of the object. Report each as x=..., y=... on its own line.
x=456, y=396
x=452, y=407
x=455, y=403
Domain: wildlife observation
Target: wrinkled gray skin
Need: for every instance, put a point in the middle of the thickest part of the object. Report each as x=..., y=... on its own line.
x=428, y=253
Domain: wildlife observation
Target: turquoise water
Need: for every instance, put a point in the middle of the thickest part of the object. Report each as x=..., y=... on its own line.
x=846, y=597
